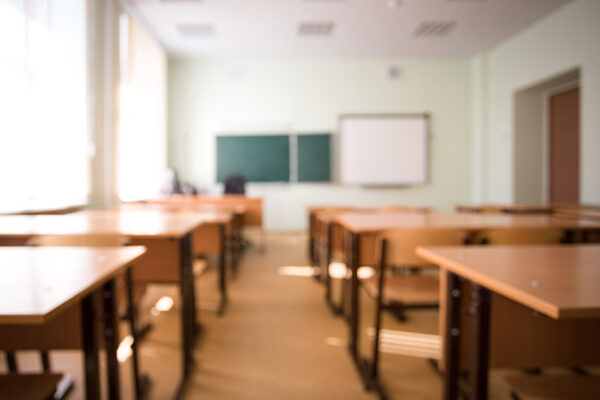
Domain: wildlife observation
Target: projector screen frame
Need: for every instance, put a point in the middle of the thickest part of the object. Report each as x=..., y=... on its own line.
x=426, y=139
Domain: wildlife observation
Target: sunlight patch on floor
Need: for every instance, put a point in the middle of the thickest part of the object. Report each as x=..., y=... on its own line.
x=304, y=271
x=334, y=341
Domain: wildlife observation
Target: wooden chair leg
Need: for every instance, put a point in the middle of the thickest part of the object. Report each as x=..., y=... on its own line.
x=378, y=312
x=11, y=360
x=45, y=360
x=375, y=363
x=398, y=311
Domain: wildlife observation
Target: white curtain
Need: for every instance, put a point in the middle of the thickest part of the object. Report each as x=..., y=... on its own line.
x=142, y=113
x=43, y=107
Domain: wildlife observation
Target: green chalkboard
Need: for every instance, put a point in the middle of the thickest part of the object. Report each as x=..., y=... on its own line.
x=258, y=158
x=314, y=157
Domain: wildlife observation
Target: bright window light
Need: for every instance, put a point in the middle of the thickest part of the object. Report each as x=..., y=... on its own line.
x=43, y=101
x=142, y=113
x=334, y=341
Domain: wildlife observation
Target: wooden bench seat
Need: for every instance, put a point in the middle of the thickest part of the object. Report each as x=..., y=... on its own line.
x=569, y=387
x=413, y=344
x=409, y=289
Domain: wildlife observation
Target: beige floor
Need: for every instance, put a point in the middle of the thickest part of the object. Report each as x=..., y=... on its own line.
x=277, y=340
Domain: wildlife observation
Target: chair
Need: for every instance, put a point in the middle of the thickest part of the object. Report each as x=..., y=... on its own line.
x=396, y=293
x=518, y=236
x=235, y=184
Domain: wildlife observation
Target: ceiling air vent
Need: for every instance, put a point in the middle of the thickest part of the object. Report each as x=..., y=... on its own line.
x=315, y=28
x=196, y=30
x=434, y=28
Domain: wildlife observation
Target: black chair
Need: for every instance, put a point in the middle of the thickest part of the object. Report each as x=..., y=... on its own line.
x=235, y=184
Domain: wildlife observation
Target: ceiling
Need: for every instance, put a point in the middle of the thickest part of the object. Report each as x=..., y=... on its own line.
x=336, y=28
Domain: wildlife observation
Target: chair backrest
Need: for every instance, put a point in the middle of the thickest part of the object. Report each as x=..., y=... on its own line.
x=235, y=184
x=519, y=236
x=89, y=241
x=401, y=245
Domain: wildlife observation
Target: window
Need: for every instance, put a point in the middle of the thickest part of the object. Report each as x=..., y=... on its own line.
x=142, y=113
x=43, y=107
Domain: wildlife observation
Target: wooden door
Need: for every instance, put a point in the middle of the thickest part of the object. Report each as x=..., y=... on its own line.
x=564, y=147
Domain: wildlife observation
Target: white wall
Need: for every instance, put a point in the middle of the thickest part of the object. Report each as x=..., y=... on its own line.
x=564, y=40
x=208, y=96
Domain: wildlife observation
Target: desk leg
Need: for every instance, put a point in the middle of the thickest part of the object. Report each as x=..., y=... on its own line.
x=188, y=307
x=344, y=306
x=222, y=269
x=90, y=347
x=11, y=360
x=132, y=317
x=479, y=310
x=45, y=358
x=354, y=311
x=328, y=257
x=111, y=338
x=452, y=337
x=312, y=254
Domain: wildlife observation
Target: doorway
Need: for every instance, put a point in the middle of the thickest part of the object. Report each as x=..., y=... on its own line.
x=563, y=146
x=546, y=140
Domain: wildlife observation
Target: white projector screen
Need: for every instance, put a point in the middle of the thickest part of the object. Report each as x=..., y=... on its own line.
x=383, y=150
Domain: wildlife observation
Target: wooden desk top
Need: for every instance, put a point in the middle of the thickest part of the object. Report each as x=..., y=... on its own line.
x=210, y=213
x=252, y=205
x=130, y=223
x=506, y=208
x=383, y=208
x=577, y=206
x=191, y=206
x=378, y=222
x=36, y=283
x=558, y=281
x=327, y=214
x=584, y=214
x=218, y=200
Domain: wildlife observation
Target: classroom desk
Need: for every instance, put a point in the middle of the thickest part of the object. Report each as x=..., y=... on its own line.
x=323, y=232
x=560, y=282
x=358, y=225
x=253, y=207
x=332, y=235
x=39, y=284
x=209, y=237
x=320, y=216
x=253, y=213
x=167, y=237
